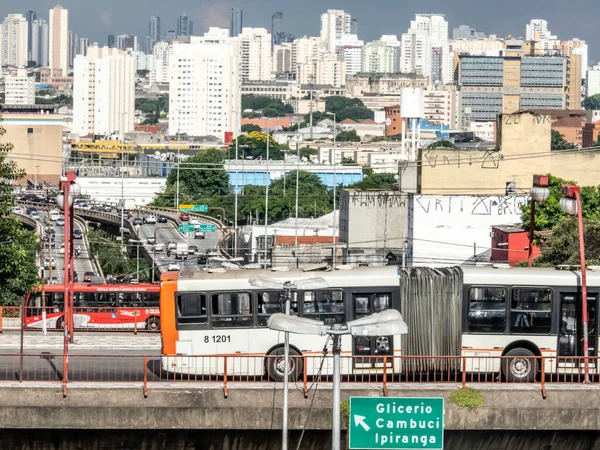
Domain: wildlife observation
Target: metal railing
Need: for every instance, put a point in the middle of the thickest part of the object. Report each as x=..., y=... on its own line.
x=382, y=372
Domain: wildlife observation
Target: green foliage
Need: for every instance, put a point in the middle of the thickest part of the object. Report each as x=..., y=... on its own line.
x=347, y=108
x=152, y=106
x=345, y=410
x=269, y=106
x=18, y=270
x=468, y=398
x=254, y=144
x=592, y=102
x=548, y=214
x=143, y=73
x=250, y=127
x=379, y=139
x=317, y=117
x=307, y=152
x=112, y=260
x=202, y=175
x=558, y=142
x=442, y=144
x=348, y=136
x=383, y=181
x=348, y=162
x=59, y=100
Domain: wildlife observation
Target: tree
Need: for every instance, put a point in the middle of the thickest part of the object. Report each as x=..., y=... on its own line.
x=592, y=102
x=18, y=271
x=558, y=142
x=255, y=146
x=307, y=152
x=441, y=144
x=548, y=214
x=348, y=136
x=317, y=117
x=347, y=108
x=270, y=107
x=202, y=175
x=250, y=127
x=384, y=181
x=348, y=162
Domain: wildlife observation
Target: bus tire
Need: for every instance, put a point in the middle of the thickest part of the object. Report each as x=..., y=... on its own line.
x=276, y=362
x=519, y=366
x=153, y=324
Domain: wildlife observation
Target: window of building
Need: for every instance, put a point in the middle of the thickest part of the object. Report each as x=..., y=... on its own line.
x=487, y=309
x=29, y=130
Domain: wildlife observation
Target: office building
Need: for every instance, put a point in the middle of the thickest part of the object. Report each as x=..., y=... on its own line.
x=305, y=49
x=14, y=41
x=237, y=22
x=162, y=53
x=324, y=69
x=477, y=47
x=349, y=49
x=185, y=26
x=39, y=45
x=141, y=60
x=30, y=16
x=378, y=57
x=415, y=53
x=73, y=47
x=83, y=45
x=255, y=54
x=537, y=30
x=20, y=88
x=154, y=30
x=282, y=58
x=434, y=28
x=58, y=58
x=103, y=92
x=335, y=23
x=205, y=85
x=276, y=29
x=466, y=32
x=125, y=41
x=111, y=41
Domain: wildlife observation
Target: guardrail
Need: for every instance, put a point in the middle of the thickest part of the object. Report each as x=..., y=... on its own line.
x=383, y=371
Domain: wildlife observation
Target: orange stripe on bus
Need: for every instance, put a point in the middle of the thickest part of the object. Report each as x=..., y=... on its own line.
x=169, y=333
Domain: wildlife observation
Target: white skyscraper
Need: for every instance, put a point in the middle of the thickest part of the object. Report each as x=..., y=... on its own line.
x=205, y=85
x=58, y=41
x=13, y=48
x=304, y=50
x=335, y=23
x=103, y=92
x=39, y=45
x=349, y=49
x=20, y=88
x=435, y=28
x=162, y=53
x=537, y=30
x=378, y=57
x=415, y=52
x=324, y=69
x=255, y=54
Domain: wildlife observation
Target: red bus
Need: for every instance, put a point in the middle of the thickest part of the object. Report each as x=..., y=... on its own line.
x=98, y=306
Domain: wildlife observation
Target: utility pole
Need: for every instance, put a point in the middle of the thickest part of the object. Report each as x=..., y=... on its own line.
x=297, y=181
x=334, y=253
x=235, y=218
x=311, y=108
x=267, y=176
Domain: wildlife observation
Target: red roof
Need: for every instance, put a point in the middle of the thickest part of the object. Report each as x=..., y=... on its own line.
x=368, y=122
x=348, y=120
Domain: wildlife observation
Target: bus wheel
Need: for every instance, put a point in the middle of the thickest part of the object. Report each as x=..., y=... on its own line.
x=153, y=324
x=276, y=364
x=519, y=366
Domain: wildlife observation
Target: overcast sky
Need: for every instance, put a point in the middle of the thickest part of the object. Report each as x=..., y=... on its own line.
x=97, y=19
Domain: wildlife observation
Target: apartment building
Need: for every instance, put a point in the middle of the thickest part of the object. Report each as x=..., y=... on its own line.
x=58, y=41
x=255, y=54
x=13, y=40
x=19, y=89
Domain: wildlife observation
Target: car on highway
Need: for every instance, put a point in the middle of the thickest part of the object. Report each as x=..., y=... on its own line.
x=193, y=249
x=200, y=235
x=138, y=221
x=184, y=217
x=77, y=234
x=49, y=262
x=202, y=260
x=60, y=221
x=87, y=277
x=173, y=267
x=107, y=208
x=171, y=245
x=54, y=215
x=33, y=213
x=151, y=240
x=151, y=219
x=159, y=247
x=162, y=219
x=17, y=210
x=75, y=276
x=61, y=250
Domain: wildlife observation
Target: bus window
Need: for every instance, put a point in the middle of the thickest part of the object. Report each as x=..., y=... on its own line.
x=327, y=306
x=151, y=300
x=487, y=309
x=270, y=303
x=231, y=310
x=191, y=309
x=107, y=300
x=530, y=310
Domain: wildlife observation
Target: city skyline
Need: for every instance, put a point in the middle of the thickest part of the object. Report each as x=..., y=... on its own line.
x=97, y=21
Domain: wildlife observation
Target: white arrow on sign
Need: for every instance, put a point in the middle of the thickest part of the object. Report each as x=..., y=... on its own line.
x=360, y=420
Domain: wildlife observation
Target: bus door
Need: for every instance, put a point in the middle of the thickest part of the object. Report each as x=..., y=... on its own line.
x=368, y=349
x=570, y=329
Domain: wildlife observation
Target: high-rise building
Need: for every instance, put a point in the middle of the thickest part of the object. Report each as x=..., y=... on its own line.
x=415, y=52
x=466, y=32
x=477, y=47
x=378, y=57
x=324, y=69
x=205, y=85
x=236, y=23
x=154, y=30
x=73, y=47
x=435, y=56
x=354, y=27
x=125, y=41
x=593, y=81
x=103, y=92
x=335, y=23
x=391, y=40
x=162, y=53
x=349, y=49
x=185, y=26
x=111, y=41
x=39, y=47
x=304, y=50
x=20, y=88
x=276, y=29
x=58, y=41
x=282, y=58
x=537, y=30
x=255, y=54
x=83, y=45
x=13, y=49
x=31, y=17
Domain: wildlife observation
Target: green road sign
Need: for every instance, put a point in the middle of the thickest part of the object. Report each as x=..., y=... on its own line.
x=193, y=208
x=396, y=423
x=209, y=228
x=186, y=228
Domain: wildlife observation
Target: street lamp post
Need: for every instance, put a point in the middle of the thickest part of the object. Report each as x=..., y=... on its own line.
x=385, y=323
x=571, y=204
x=334, y=252
x=267, y=176
x=539, y=193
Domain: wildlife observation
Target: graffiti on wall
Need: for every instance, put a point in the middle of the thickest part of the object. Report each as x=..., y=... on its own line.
x=376, y=199
x=485, y=205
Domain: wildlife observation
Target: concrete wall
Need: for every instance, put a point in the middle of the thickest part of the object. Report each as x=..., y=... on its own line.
x=202, y=406
x=524, y=150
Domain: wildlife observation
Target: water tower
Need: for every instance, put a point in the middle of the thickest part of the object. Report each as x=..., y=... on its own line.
x=411, y=111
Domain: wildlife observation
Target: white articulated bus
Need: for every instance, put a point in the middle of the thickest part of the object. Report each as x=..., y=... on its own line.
x=519, y=313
